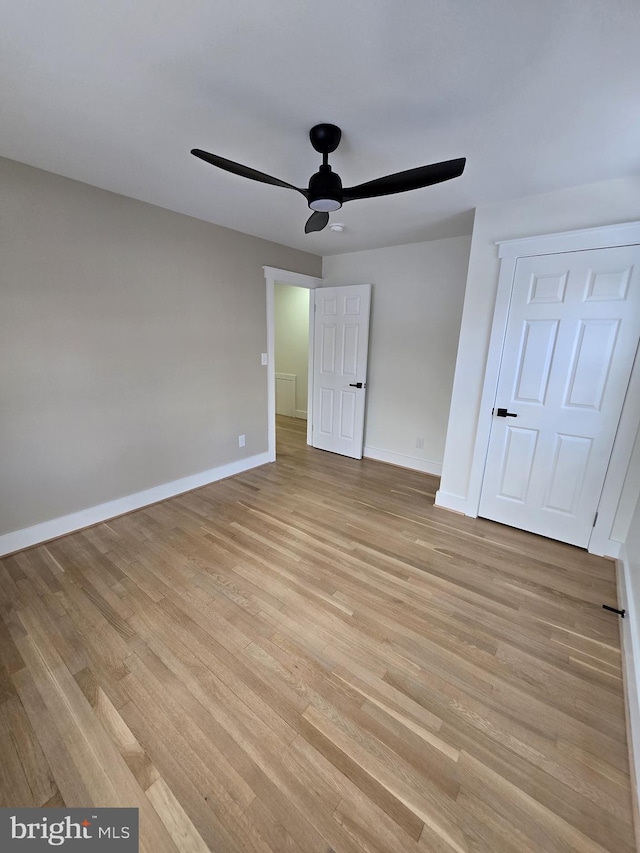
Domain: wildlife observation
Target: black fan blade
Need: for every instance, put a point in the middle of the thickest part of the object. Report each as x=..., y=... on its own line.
x=243, y=171
x=316, y=222
x=412, y=179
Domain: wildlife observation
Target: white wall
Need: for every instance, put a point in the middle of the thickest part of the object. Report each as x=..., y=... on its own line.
x=604, y=203
x=130, y=341
x=629, y=599
x=417, y=297
x=625, y=510
x=632, y=547
x=291, y=314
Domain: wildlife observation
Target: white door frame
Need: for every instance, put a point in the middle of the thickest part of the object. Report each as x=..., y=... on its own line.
x=294, y=279
x=624, y=234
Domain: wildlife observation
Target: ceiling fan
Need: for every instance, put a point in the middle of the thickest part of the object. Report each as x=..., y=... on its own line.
x=325, y=192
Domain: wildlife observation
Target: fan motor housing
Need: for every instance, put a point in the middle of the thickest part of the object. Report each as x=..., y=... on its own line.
x=325, y=190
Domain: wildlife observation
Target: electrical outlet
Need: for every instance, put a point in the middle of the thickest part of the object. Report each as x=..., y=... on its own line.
x=242, y=440
x=420, y=443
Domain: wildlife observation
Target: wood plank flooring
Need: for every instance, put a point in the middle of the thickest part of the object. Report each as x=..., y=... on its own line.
x=311, y=657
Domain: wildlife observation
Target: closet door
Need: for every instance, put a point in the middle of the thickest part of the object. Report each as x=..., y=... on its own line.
x=572, y=335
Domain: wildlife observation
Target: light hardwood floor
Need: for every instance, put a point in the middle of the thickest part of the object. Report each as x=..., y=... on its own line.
x=311, y=657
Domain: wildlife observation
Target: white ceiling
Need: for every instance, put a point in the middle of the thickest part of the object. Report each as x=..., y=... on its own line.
x=537, y=94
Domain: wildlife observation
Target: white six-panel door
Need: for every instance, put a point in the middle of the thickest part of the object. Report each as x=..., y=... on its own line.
x=571, y=339
x=341, y=341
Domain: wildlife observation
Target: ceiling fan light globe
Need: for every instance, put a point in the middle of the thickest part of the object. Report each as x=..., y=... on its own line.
x=325, y=205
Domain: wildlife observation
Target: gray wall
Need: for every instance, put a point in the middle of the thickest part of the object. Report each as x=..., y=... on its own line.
x=417, y=297
x=130, y=341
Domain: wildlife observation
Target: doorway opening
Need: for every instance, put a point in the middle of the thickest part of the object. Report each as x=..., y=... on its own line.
x=287, y=386
x=291, y=314
x=337, y=347
x=291, y=338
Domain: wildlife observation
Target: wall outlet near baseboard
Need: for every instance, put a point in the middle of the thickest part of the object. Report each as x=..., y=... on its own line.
x=420, y=443
x=242, y=440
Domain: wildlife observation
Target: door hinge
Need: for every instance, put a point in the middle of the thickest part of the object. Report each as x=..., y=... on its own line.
x=595, y=519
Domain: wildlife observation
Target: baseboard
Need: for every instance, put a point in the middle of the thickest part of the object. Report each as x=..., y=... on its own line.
x=630, y=647
x=454, y=503
x=602, y=546
x=300, y=413
x=403, y=461
x=28, y=536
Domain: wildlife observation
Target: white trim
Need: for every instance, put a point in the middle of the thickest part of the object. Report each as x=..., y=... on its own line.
x=611, y=549
x=300, y=413
x=603, y=237
x=630, y=648
x=403, y=461
x=271, y=370
x=295, y=279
x=601, y=545
x=28, y=536
x=510, y=250
x=490, y=386
x=311, y=365
x=454, y=503
x=618, y=467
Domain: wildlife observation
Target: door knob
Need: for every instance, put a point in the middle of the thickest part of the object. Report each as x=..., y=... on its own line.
x=503, y=413
x=355, y=385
